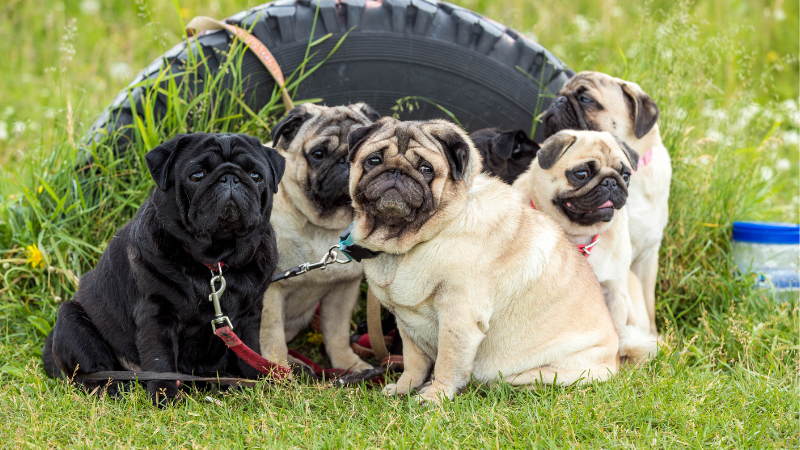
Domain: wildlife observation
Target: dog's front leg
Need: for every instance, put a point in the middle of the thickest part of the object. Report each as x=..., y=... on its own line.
x=417, y=367
x=272, y=335
x=635, y=344
x=336, y=311
x=156, y=340
x=461, y=332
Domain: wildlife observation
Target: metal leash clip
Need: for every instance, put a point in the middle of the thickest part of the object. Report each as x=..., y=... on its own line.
x=219, y=319
x=331, y=257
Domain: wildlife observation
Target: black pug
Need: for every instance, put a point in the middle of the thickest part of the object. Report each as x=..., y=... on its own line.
x=506, y=154
x=145, y=306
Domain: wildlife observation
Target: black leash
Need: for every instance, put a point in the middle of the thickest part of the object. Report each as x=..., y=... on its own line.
x=350, y=250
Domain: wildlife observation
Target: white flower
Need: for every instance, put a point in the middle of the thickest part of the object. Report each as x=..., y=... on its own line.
x=766, y=173
x=783, y=165
x=19, y=128
x=120, y=71
x=780, y=16
x=90, y=7
x=3, y=131
x=704, y=160
x=791, y=137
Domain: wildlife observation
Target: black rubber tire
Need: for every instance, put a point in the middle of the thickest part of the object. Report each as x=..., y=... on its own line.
x=450, y=55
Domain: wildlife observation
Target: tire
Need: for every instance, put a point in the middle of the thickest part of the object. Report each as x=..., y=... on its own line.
x=454, y=57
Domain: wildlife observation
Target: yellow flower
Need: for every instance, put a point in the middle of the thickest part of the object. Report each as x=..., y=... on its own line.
x=315, y=337
x=772, y=56
x=41, y=188
x=35, y=257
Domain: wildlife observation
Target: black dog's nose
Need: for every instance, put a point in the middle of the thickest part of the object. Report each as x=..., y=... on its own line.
x=610, y=183
x=229, y=179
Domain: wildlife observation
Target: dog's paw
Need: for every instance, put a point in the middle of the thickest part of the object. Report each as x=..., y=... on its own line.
x=162, y=393
x=435, y=394
x=360, y=366
x=392, y=390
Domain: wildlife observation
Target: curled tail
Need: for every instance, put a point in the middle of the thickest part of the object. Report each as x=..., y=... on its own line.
x=636, y=345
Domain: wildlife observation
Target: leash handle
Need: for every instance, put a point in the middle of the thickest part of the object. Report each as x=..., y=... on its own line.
x=201, y=24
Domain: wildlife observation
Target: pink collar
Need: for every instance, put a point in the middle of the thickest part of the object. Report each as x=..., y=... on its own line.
x=647, y=158
x=585, y=249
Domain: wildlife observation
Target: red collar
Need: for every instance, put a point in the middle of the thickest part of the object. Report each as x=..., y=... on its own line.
x=212, y=267
x=585, y=249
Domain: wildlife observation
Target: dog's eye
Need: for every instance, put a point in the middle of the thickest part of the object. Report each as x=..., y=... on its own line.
x=426, y=169
x=256, y=177
x=581, y=175
x=197, y=176
x=585, y=99
x=626, y=177
x=374, y=160
x=318, y=154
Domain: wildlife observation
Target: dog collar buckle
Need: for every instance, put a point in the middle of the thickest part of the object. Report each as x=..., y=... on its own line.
x=351, y=250
x=219, y=319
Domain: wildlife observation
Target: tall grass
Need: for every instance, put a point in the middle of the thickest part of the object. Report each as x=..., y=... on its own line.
x=728, y=373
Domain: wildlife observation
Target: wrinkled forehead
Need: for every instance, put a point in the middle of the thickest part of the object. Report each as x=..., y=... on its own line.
x=594, y=82
x=407, y=140
x=333, y=126
x=604, y=150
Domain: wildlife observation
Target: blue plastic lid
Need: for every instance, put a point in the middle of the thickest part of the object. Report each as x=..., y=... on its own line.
x=766, y=232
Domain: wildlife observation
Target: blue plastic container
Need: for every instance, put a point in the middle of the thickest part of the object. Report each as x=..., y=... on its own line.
x=769, y=249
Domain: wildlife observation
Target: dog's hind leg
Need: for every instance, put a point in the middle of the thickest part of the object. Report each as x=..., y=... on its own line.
x=77, y=347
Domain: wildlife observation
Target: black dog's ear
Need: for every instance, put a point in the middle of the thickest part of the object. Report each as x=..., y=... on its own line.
x=278, y=164
x=367, y=110
x=633, y=157
x=503, y=144
x=358, y=136
x=645, y=111
x=160, y=159
x=554, y=148
x=287, y=128
x=456, y=150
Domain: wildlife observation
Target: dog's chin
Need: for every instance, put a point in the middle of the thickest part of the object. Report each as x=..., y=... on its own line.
x=586, y=215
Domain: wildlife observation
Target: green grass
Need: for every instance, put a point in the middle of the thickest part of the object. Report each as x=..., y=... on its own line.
x=725, y=75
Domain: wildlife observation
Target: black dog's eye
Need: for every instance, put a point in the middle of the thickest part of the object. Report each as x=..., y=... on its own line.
x=256, y=177
x=318, y=154
x=581, y=175
x=426, y=169
x=585, y=99
x=374, y=160
x=197, y=176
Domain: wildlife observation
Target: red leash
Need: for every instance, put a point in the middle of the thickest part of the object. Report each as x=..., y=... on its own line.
x=252, y=358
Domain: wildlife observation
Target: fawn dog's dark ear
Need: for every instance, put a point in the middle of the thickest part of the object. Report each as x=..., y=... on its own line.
x=554, y=148
x=633, y=157
x=161, y=159
x=456, y=150
x=358, y=136
x=643, y=109
x=288, y=127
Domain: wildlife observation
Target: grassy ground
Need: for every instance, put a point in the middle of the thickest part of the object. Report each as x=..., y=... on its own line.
x=725, y=74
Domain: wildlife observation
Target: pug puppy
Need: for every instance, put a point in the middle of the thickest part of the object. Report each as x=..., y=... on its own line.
x=580, y=179
x=480, y=284
x=506, y=154
x=145, y=306
x=311, y=209
x=599, y=102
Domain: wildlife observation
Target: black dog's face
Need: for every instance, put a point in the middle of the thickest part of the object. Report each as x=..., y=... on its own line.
x=506, y=154
x=215, y=192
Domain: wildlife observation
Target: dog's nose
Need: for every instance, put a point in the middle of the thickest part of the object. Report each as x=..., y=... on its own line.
x=560, y=100
x=610, y=183
x=229, y=179
x=396, y=172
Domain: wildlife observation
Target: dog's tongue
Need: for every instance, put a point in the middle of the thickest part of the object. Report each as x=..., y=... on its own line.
x=607, y=204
